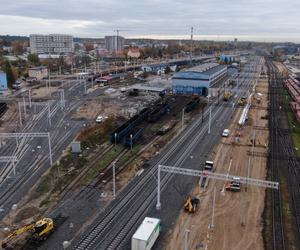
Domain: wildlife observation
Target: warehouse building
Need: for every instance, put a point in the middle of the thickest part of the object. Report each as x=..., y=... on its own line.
x=198, y=80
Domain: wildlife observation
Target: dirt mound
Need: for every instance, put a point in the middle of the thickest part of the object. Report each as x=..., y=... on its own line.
x=26, y=213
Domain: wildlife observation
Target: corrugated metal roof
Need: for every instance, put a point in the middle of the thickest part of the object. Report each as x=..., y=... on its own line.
x=199, y=73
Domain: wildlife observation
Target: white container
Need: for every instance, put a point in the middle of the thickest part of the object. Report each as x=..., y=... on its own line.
x=146, y=235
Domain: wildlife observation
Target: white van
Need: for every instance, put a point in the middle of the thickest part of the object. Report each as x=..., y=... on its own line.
x=225, y=133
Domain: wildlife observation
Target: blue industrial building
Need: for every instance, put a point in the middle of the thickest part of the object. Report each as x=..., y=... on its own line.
x=198, y=80
x=227, y=58
x=3, y=82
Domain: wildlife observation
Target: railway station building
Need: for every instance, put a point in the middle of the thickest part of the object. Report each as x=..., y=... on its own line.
x=199, y=79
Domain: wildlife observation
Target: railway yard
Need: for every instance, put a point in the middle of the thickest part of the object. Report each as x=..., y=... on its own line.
x=249, y=199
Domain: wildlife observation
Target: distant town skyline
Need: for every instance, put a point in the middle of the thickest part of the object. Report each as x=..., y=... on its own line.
x=255, y=20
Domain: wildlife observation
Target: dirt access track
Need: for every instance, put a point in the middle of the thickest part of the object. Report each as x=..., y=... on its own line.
x=238, y=216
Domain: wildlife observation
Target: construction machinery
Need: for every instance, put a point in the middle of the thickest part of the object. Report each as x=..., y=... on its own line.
x=242, y=101
x=191, y=204
x=38, y=231
x=227, y=95
x=234, y=185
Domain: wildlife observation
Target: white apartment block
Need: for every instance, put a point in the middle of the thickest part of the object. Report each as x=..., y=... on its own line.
x=51, y=44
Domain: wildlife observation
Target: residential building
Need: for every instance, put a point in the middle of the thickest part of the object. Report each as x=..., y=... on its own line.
x=134, y=53
x=7, y=49
x=51, y=44
x=198, y=80
x=3, y=82
x=38, y=73
x=114, y=43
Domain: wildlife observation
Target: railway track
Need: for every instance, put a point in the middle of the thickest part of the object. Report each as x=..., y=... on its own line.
x=287, y=148
x=113, y=229
x=274, y=166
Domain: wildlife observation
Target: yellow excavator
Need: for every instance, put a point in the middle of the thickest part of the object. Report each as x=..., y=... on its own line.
x=38, y=230
x=242, y=101
x=227, y=95
x=191, y=204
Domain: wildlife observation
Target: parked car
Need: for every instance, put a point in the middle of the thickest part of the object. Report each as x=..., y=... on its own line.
x=101, y=118
x=225, y=133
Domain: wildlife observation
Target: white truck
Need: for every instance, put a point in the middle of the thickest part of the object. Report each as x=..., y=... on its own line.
x=146, y=235
x=209, y=167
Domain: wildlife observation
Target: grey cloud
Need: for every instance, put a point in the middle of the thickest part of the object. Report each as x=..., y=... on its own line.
x=170, y=17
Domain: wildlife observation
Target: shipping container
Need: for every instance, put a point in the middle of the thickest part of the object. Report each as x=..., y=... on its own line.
x=146, y=235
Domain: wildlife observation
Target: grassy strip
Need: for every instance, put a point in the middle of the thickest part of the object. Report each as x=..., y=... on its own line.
x=104, y=162
x=295, y=128
x=293, y=122
x=59, y=176
x=130, y=154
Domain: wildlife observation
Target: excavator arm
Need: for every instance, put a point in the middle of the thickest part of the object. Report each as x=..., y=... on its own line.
x=16, y=233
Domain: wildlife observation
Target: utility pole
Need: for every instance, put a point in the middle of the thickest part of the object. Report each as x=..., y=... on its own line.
x=29, y=97
x=209, y=122
x=158, y=204
x=131, y=142
x=50, y=151
x=62, y=99
x=84, y=81
x=24, y=106
x=115, y=139
x=114, y=179
x=182, y=120
x=49, y=84
x=212, y=225
x=20, y=113
x=186, y=239
x=49, y=114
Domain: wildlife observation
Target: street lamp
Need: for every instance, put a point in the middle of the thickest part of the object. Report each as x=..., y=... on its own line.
x=115, y=139
x=209, y=121
x=131, y=142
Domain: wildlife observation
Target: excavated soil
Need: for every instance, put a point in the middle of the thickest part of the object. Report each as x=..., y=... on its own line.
x=238, y=216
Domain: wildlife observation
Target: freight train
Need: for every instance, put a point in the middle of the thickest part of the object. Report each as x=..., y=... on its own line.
x=192, y=105
x=150, y=114
x=3, y=108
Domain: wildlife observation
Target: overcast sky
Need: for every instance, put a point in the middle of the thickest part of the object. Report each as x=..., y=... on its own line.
x=264, y=20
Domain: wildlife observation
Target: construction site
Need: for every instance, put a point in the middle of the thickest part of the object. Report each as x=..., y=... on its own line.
x=241, y=208
x=87, y=165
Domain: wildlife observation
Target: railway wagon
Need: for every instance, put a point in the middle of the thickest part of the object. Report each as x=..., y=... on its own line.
x=158, y=112
x=118, y=135
x=133, y=136
x=192, y=105
x=3, y=108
